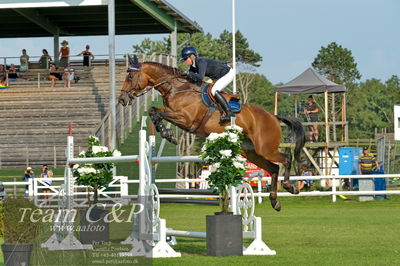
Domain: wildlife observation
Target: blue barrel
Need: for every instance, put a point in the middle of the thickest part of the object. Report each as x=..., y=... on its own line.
x=380, y=183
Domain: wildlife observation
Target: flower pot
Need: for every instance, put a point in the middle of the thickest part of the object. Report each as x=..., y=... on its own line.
x=224, y=234
x=94, y=230
x=16, y=254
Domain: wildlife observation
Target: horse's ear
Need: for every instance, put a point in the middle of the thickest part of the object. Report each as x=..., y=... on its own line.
x=134, y=64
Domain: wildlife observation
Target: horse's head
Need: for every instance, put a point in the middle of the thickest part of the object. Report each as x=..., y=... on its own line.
x=136, y=81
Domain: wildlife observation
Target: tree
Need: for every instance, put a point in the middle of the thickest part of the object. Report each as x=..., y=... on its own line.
x=373, y=107
x=337, y=64
x=207, y=46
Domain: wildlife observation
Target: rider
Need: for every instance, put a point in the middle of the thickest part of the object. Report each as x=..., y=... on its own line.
x=218, y=71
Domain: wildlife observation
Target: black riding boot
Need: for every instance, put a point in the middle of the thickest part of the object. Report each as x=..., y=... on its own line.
x=227, y=110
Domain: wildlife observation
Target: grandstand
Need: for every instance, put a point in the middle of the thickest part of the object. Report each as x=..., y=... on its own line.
x=35, y=117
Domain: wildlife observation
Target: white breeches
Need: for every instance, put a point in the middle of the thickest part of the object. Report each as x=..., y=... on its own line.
x=223, y=82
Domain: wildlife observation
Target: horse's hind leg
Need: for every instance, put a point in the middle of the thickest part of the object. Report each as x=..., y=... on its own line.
x=286, y=181
x=273, y=169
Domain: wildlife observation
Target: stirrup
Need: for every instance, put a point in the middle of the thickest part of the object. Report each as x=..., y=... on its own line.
x=226, y=118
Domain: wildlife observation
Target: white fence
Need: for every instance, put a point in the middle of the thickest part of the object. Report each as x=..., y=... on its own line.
x=120, y=187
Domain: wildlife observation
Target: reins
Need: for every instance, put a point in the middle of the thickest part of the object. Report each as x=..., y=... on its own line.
x=149, y=88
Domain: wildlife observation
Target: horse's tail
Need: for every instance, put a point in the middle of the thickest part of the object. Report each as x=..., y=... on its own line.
x=295, y=126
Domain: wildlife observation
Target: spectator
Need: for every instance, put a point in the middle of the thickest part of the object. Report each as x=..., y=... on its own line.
x=45, y=59
x=64, y=54
x=27, y=175
x=311, y=114
x=87, y=57
x=3, y=82
x=367, y=162
x=46, y=173
x=24, y=61
x=68, y=75
x=54, y=75
x=301, y=183
x=13, y=72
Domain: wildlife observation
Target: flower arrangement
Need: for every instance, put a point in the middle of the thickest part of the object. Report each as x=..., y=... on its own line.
x=95, y=176
x=222, y=152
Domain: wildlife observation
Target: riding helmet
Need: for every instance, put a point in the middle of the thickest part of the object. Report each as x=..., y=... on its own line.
x=188, y=51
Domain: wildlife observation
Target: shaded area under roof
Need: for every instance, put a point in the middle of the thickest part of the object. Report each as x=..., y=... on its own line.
x=131, y=17
x=309, y=82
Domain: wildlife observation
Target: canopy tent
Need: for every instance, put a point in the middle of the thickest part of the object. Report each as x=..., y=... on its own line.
x=310, y=82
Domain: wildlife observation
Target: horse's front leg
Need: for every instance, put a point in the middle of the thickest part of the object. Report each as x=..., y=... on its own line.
x=156, y=115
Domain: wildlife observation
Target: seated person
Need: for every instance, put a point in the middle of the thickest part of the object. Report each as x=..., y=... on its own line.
x=69, y=75
x=301, y=183
x=3, y=82
x=13, y=72
x=54, y=75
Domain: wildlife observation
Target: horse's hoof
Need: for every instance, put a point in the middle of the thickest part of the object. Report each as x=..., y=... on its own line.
x=276, y=205
x=295, y=190
x=173, y=140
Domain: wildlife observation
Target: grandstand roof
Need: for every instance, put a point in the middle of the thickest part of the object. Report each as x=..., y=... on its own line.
x=44, y=18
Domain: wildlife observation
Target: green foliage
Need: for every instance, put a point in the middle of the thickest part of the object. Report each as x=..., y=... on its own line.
x=370, y=105
x=337, y=63
x=207, y=46
x=97, y=175
x=227, y=168
x=18, y=228
x=1, y=219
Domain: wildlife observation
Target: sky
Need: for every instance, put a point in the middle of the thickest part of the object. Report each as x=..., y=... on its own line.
x=287, y=33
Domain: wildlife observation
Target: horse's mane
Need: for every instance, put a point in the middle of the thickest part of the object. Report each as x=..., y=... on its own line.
x=172, y=70
x=176, y=72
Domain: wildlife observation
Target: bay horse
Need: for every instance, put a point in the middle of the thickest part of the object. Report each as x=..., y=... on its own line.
x=184, y=108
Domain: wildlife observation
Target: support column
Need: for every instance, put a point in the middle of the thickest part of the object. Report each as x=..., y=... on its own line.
x=56, y=39
x=326, y=132
x=174, y=46
x=346, y=126
x=276, y=103
x=111, y=68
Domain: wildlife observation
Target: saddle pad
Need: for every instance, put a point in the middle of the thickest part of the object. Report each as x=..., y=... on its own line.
x=234, y=103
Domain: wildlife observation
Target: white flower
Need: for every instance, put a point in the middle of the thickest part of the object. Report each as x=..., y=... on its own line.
x=203, y=148
x=87, y=170
x=82, y=153
x=234, y=127
x=225, y=153
x=75, y=166
x=97, y=149
x=207, y=158
x=214, y=167
x=213, y=136
x=233, y=137
x=205, y=174
x=238, y=165
x=240, y=159
x=116, y=153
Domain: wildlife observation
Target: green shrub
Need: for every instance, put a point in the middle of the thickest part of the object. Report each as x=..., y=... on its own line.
x=1, y=219
x=18, y=227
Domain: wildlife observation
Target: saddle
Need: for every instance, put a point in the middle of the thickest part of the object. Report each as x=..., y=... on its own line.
x=210, y=102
